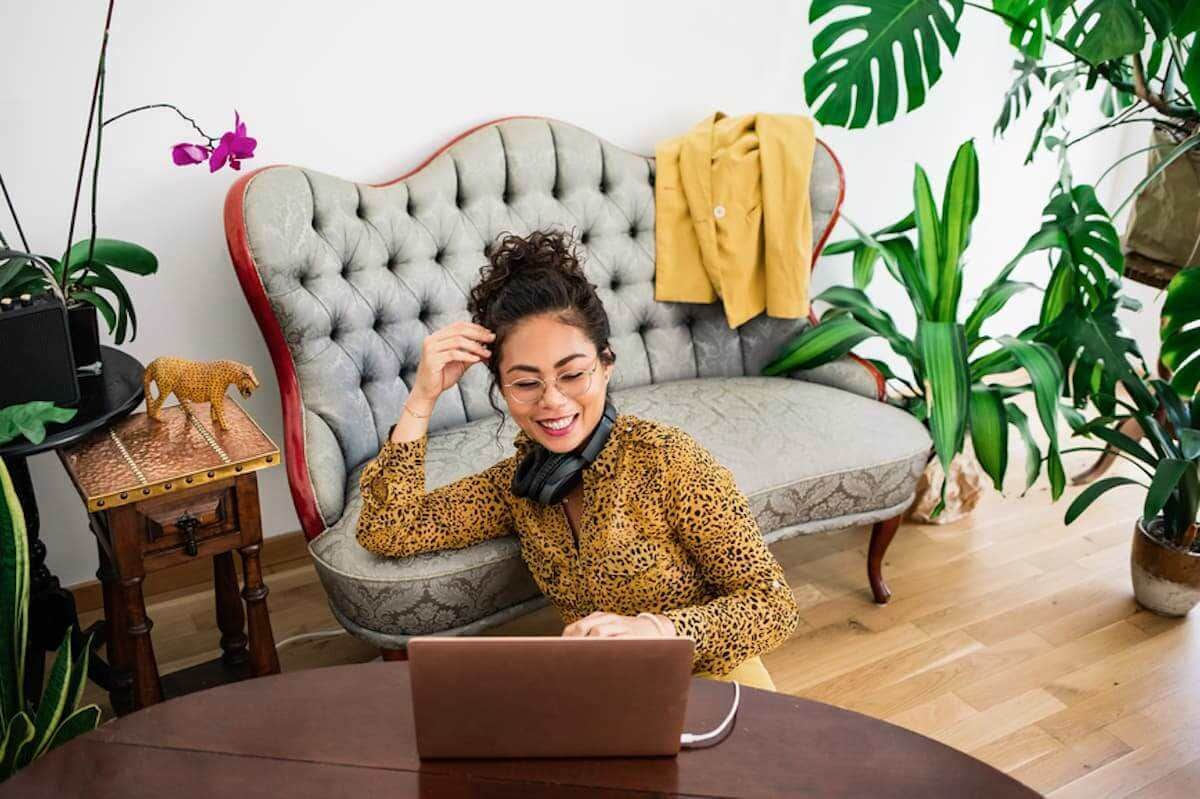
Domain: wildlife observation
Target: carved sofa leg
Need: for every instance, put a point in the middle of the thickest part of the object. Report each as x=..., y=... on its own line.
x=393, y=654
x=881, y=536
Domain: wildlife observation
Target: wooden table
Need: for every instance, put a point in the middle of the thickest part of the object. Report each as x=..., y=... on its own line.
x=348, y=731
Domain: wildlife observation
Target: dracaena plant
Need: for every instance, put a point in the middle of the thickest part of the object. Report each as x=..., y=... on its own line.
x=1168, y=416
x=88, y=271
x=949, y=354
x=1143, y=53
x=28, y=730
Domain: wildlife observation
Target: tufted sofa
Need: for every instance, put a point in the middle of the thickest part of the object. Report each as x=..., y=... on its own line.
x=345, y=279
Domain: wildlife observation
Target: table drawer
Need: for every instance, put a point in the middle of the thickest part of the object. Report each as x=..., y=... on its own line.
x=182, y=524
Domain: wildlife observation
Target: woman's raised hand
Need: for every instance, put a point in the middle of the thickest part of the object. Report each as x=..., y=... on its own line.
x=446, y=354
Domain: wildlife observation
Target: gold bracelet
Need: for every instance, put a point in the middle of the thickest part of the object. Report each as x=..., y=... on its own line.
x=414, y=413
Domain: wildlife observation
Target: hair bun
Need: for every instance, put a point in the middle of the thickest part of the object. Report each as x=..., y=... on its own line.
x=539, y=250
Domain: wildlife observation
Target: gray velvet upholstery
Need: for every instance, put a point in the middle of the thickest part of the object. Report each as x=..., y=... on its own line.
x=357, y=275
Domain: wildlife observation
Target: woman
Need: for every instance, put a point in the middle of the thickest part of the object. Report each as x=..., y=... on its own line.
x=654, y=539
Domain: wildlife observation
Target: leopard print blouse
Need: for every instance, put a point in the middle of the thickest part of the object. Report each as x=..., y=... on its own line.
x=663, y=528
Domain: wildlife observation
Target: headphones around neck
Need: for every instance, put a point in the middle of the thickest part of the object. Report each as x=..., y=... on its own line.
x=547, y=477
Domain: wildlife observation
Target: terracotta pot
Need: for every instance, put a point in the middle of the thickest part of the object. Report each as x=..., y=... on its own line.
x=963, y=492
x=1165, y=580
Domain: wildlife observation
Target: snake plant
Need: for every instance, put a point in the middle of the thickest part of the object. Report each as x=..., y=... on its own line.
x=949, y=355
x=27, y=731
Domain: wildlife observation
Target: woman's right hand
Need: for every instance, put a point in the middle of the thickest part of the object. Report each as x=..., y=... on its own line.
x=446, y=354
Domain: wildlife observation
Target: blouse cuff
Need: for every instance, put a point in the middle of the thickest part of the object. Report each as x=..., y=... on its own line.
x=398, y=453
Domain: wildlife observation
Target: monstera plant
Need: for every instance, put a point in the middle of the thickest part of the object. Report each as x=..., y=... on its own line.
x=28, y=731
x=1142, y=53
x=950, y=356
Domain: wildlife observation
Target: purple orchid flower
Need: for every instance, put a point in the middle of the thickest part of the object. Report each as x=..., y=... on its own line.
x=233, y=147
x=184, y=154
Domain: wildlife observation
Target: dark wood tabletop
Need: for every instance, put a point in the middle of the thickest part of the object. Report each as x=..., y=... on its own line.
x=348, y=730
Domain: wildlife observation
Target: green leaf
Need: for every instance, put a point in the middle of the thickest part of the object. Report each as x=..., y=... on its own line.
x=1187, y=19
x=14, y=599
x=1016, y=99
x=1158, y=14
x=993, y=298
x=16, y=738
x=929, y=239
x=943, y=351
x=83, y=720
x=123, y=255
x=1033, y=455
x=30, y=419
x=102, y=305
x=1030, y=23
x=861, y=308
x=1180, y=331
x=1166, y=478
x=1092, y=493
x=959, y=207
x=901, y=261
x=54, y=699
x=819, y=344
x=1045, y=373
x=864, y=266
x=989, y=433
x=1106, y=30
x=1189, y=443
x=859, y=39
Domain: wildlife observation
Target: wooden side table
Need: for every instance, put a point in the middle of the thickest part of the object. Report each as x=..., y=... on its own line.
x=159, y=494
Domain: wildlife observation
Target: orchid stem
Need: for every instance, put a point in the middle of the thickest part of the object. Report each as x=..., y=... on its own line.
x=191, y=121
x=13, y=212
x=87, y=136
x=95, y=174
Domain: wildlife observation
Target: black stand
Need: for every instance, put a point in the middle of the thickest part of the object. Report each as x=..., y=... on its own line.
x=103, y=398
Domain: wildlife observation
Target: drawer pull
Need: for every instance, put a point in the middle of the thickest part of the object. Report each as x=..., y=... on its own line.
x=188, y=524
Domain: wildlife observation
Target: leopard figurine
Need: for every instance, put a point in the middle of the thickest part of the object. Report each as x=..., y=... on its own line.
x=196, y=381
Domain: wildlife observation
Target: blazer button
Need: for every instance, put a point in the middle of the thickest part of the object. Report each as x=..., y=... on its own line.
x=719, y=212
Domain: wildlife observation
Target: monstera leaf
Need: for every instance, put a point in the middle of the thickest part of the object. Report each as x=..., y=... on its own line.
x=1180, y=331
x=863, y=36
x=1106, y=30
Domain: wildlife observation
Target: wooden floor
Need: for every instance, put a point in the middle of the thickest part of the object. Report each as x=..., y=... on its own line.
x=1009, y=636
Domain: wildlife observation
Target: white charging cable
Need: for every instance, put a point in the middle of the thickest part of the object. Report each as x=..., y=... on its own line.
x=688, y=740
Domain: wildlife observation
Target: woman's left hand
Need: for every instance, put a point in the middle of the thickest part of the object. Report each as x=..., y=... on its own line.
x=612, y=625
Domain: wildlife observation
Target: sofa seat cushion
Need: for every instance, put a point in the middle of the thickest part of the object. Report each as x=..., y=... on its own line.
x=808, y=457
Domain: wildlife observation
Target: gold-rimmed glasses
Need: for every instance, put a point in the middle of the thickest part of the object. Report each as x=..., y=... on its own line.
x=573, y=383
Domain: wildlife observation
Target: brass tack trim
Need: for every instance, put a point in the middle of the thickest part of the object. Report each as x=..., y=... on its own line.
x=207, y=436
x=133, y=467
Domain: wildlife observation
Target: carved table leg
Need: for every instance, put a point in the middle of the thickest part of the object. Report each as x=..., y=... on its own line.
x=231, y=617
x=263, y=657
x=117, y=650
x=147, y=687
x=881, y=536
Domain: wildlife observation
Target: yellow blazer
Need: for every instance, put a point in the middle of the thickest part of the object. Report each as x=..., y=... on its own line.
x=732, y=215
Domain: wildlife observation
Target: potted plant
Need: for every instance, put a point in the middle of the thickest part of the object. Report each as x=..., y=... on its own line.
x=1144, y=55
x=1165, y=559
x=950, y=356
x=88, y=273
x=28, y=731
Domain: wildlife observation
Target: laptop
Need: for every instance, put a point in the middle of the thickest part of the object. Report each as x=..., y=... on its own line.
x=543, y=696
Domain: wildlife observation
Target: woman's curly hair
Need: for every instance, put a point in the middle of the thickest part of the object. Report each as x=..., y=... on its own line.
x=536, y=274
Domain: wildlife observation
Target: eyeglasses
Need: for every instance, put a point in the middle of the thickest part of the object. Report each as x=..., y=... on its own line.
x=573, y=384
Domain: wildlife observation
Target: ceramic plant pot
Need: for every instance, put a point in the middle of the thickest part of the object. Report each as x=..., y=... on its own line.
x=963, y=491
x=1165, y=580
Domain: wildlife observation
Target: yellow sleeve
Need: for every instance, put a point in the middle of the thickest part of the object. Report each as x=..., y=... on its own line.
x=400, y=519
x=755, y=611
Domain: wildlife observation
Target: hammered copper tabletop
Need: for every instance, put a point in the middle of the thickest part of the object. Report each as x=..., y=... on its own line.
x=140, y=457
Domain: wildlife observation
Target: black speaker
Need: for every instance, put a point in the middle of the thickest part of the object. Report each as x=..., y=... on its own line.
x=36, y=362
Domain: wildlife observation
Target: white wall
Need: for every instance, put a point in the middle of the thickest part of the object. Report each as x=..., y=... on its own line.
x=367, y=90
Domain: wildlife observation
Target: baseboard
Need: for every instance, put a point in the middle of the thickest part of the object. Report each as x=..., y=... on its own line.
x=277, y=551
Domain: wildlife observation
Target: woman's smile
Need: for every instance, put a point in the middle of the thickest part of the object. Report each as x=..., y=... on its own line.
x=559, y=426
